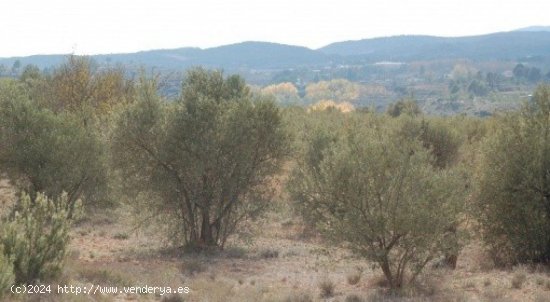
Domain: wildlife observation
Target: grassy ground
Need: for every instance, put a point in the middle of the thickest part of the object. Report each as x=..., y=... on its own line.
x=280, y=262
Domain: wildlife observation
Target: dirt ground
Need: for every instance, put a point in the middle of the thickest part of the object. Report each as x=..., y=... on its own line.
x=280, y=262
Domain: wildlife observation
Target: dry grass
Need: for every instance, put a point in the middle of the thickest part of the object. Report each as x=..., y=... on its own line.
x=298, y=297
x=353, y=298
x=354, y=277
x=173, y=298
x=518, y=279
x=283, y=262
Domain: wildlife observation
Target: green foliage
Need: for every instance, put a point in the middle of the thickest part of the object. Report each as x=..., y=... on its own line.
x=6, y=273
x=514, y=184
x=378, y=192
x=436, y=136
x=206, y=159
x=407, y=107
x=36, y=237
x=478, y=88
x=50, y=153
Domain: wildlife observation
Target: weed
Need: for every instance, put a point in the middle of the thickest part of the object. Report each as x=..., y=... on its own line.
x=353, y=278
x=298, y=297
x=121, y=236
x=518, y=279
x=235, y=252
x=172, y=298
x=269, y=253
x=192, y=267
x=105, y=277
x=327, y=288
x=353, y=298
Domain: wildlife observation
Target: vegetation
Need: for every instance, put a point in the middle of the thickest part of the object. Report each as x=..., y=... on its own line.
x=378, y=192
x=35, y=238
x=50, y=153
x=6, y=273
x=207, y=158
x=514, y=184
x=400, y=190
x=408, y=107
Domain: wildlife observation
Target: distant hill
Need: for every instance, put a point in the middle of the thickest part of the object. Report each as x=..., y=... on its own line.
x=250, y=56
x=246, y=55
x=498, y=46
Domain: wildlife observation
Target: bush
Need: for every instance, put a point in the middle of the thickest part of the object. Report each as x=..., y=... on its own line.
x=50, y=153
x=406, y=106
x=353, y=298
x=327, y=288
x=204, y=160
x=354, y=278
x=269, y=253
x=36, y=237
x=518, y=279
x=173, y=298
x=513, y=192
x=379, y=193
x=6, y=273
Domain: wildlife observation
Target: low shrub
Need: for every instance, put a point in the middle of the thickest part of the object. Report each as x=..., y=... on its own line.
x=36, y=237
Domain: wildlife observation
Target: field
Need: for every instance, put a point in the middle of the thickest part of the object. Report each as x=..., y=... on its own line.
x=278, y=260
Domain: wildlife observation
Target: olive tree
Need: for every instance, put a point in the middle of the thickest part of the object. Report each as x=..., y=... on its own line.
x=514, y=184
x=41, y=151
x=405, y=106
x=377, y=192
x=204, y=160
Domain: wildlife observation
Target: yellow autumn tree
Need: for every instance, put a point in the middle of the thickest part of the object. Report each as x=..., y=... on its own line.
x=78, y=84
x=344, y=107
x=284, y=93
x=338, y=91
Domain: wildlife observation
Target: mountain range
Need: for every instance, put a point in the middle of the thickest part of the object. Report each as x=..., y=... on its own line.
x=531, y=43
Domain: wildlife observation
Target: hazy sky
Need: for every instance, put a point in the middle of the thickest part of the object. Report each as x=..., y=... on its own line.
x=110, y=26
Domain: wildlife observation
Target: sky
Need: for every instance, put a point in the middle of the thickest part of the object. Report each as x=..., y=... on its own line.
x=114, y=26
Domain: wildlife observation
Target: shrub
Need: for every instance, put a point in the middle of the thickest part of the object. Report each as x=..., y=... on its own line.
x=36, y=237
x=121, y=236
x=48, y=153
x=353, y=278
x=379, y=193
x=204, y=160
x=513, y=192
x=172, y=298
x=353, y=298
x=406, y=106
x=6, y=273
x=518, y=279
x=269, y=253
x=327, y=288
